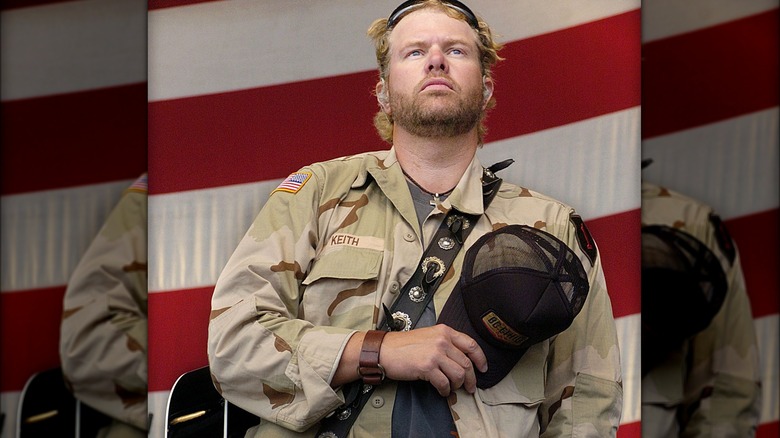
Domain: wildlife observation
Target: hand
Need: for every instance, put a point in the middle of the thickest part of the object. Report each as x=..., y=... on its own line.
x=439, y=354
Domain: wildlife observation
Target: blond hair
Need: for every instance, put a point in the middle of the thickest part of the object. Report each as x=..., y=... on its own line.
x=488, y=54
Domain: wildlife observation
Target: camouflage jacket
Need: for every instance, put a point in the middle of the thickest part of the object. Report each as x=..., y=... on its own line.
x=712, y=384
x=319, y=261
x=103, y=335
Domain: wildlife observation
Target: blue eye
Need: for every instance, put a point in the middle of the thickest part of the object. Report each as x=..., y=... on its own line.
x=415, y=53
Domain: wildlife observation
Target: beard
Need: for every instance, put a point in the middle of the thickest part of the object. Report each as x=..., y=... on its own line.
x=425, y=116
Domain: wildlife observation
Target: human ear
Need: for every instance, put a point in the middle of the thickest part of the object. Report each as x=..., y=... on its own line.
x=381, y=96
x=487, y=90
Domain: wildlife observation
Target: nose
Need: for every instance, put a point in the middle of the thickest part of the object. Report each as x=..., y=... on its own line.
x=437, y=61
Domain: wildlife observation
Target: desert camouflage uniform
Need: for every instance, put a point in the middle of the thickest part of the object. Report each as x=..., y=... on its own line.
x=103, y=335
x=317, y=265
x=710, y=387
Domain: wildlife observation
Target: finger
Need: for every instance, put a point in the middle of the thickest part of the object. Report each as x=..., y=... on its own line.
x=462, y=372
x=455, y=370
x=470, y=380
x=469, y=346
x=440, y=382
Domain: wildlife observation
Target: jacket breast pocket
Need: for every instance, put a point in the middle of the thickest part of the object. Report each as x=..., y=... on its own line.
x=340, y=288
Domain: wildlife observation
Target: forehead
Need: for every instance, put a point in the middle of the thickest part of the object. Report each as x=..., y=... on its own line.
x=430, y=25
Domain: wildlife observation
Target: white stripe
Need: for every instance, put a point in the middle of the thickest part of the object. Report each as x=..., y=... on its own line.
x=628, y=329
x=45, y=233
x=192, y=234
x=767, y=334
x=72, y=46
x=592, y=165
x=665, y=18
x=157, y=404
x=9, y=401
x=224, y=46
x=731, y=165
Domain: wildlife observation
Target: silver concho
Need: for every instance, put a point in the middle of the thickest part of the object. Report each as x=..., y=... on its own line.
x=439, y=264
x=401, y=316
x=327, y=435
x=366, y=388
x=417, y=294
x=452, y=219
x=446, y=243
x=343, y=415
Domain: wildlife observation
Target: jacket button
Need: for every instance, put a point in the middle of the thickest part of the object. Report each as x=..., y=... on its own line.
x=394, y=287
x=378, y=402
x=409, y=237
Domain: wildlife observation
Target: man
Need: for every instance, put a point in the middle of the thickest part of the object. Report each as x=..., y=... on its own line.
x=337, y=240
x=708, y=383
x=103, y=336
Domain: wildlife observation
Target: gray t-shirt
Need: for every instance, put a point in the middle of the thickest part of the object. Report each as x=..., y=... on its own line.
x=419, y=410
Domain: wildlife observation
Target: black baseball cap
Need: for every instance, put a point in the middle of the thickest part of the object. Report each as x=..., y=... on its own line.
x=683, y=286
x=519, y=286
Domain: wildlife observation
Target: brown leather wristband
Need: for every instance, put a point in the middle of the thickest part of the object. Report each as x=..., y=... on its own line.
x=368, y=365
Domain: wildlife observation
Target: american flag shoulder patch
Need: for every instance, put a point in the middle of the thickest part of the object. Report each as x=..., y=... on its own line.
x=293, y=183
x=140, y=185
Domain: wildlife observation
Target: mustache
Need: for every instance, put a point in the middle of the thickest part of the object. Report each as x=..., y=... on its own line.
x=437, y=78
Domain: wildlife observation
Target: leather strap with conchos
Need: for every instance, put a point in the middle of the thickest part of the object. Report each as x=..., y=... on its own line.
x=413, y=299
x=437, y=259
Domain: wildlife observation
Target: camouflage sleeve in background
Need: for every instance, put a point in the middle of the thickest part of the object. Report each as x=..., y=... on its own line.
x=722, y=389
x=103, y=337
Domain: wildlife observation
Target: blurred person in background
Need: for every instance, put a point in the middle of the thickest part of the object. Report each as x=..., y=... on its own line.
x=700, y=363
x=103, y=336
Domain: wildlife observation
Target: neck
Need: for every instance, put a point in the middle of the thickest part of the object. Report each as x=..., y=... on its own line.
x=434, y=164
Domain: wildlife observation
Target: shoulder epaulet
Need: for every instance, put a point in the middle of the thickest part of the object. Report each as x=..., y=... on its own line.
x=140, y=185
x=723, y=238
x=584, y=239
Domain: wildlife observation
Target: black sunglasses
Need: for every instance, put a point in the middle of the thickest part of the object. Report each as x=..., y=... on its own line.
x=471, y=19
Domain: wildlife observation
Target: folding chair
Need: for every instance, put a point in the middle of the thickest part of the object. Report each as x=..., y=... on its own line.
x=196, y=409
x=48, y=408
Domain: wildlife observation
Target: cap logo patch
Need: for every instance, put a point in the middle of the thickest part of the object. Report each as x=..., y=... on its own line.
x=293, y=183
x=501, y=331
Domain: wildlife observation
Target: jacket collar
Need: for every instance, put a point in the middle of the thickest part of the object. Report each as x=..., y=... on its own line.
x=385, y=169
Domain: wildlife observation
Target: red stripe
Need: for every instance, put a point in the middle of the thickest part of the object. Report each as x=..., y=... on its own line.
x=618, y=237
x=74, y=139
x=266, y=133
x=630, y=430
x=768, y=430
x=15, y=4
x=178, y=322
x=566, y=76
x=757, y=238
x=160, y=4
x=29, y=334
x=710, y=75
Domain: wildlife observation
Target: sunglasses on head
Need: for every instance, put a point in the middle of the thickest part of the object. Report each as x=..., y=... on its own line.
x=406, y=6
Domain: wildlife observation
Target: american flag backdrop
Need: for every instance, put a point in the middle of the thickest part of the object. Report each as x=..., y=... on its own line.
x=73, y=77
x=243, y=93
